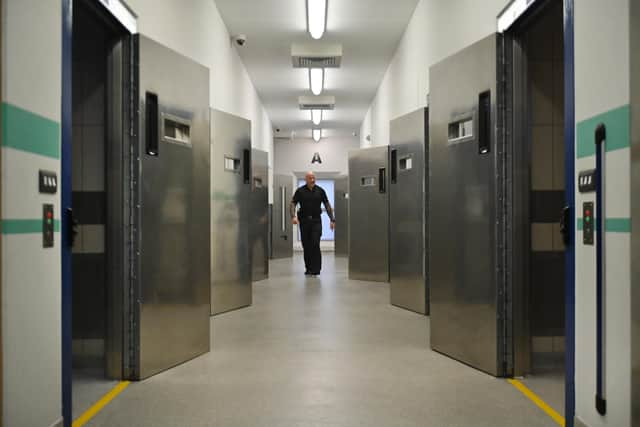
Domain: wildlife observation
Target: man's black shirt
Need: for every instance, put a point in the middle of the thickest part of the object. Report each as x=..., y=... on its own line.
x=310, y=201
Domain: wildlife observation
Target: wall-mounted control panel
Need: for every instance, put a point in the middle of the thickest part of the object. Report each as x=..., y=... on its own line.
x=47, y=182
x=588, y=225
x=47, y=226
x=587, y=181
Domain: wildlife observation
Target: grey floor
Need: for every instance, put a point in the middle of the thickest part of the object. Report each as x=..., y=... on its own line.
x=89, y=385
x=321, y=352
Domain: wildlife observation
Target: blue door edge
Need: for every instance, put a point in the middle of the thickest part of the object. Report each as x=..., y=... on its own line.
x=569, y=146
x=65, y=192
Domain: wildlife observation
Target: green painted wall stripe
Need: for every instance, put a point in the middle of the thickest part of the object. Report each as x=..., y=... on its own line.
x=26, y=131
x=26, y=226
x=618, y=225
x=617, y=123
x=612, y=225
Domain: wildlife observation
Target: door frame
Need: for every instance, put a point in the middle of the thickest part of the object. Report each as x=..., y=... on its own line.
x=569, y=148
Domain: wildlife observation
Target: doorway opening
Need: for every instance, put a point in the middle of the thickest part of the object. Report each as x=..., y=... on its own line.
x=539, y=198
x=94, y=36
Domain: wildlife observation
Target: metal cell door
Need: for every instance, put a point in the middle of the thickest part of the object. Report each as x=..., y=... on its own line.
x=369, y=214
x=465, y=266
x=407, y=212
x=341, y=201
x=282, y=229
x=230, y=212
x=259, y=215
x=172, y=216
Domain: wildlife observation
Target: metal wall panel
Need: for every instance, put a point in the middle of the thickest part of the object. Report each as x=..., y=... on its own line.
x=341, y=208
x=259, y=219
x=281, y=228
x=230, y=212
x=369, y=214
x=174, y=210
x=464, y=216
x=407, y=212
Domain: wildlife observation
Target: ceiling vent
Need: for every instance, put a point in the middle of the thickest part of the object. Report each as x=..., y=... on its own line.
x=316, y=56
x=317, y=102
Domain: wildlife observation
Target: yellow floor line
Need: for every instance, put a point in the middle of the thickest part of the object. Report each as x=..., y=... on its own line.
x=97, y=407
x=559, y=419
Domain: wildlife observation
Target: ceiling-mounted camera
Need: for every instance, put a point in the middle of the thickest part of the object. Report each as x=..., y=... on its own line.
x=239, y=40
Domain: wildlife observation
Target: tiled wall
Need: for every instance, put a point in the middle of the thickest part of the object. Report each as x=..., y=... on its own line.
x=545, y=41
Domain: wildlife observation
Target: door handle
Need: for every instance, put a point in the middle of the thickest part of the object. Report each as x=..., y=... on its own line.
x=565, y=225
x=382, y=180
x=72, y=230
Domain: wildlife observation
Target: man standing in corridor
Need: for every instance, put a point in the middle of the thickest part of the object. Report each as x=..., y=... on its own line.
x=310, y=197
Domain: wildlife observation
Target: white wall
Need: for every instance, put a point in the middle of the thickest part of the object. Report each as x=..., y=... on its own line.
x=295, y=156
x=31, y=275
x=195, y=29
x=602, y=86
x=436, y=30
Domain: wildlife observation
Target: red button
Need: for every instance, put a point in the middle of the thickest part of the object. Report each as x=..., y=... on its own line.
x=588, y=213
x=49, y=214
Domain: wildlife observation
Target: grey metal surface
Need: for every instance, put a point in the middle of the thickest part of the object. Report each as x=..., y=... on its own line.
x=407, y=243
x=281, y=228
x=230, y=212
x=369, y=214
x=118, y=173
x=341, y=208
x=463, y=213
x=259, y=211
x=174, y=214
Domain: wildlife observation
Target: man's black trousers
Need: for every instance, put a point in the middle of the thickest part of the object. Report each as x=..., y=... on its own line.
x=311, y=231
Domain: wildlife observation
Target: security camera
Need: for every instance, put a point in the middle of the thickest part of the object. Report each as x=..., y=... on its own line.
x=240, y=39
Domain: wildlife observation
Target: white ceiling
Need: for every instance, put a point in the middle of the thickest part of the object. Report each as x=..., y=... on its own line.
x=369, y=31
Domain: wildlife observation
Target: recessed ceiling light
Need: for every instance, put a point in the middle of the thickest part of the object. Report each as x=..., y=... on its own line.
x=317, y=134
x=316, y=17
x=316, y=117
x=316, y=80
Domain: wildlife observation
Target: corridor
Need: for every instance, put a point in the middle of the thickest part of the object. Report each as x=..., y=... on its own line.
x=321, y=351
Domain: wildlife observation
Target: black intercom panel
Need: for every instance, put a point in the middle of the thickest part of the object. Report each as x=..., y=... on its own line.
x=588, y=225
x=587, y=181
x=47, y=182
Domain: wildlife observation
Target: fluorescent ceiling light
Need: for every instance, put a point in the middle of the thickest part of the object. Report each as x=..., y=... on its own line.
x=317, y=134
x=316, y=80
x=316, y=17
x=316, y=117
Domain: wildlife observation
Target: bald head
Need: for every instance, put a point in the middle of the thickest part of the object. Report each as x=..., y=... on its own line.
x=310, y=179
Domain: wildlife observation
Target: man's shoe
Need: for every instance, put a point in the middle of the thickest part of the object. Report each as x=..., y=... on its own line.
x=306, y=273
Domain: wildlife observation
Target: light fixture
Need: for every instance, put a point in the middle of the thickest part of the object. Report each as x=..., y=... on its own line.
x=316, y=17
x=316, y=80
x=317, y=134
x=316, y=117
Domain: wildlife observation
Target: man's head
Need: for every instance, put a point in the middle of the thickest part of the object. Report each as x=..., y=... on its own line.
x=310, y=178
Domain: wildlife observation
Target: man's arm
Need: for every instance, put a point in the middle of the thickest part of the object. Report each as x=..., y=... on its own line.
x=292, y=208
x=328, y=207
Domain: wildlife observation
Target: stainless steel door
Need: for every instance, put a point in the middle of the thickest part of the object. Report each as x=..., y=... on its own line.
x=173, y=214
x=282, y=230
x=369, y=214
x=463, y=209
x=341, y=208
x=259, y=220
x=230, y=212
x=407, y=212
